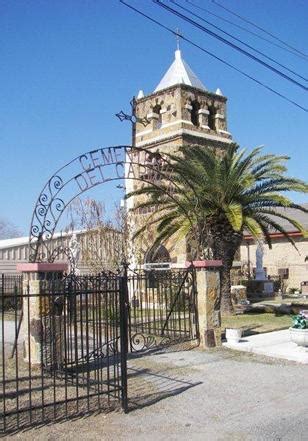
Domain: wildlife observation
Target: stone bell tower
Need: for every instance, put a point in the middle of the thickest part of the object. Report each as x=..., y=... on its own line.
x=180, y=111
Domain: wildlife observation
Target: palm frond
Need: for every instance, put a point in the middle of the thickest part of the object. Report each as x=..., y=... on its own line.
x=238, y=190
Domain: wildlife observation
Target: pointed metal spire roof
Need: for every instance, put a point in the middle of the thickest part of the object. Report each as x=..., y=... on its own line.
x=179, y=73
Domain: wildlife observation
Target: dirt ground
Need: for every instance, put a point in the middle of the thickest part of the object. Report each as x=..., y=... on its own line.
x=197, y=395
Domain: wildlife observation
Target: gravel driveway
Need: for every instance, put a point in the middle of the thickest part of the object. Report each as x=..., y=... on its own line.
x=196, y=395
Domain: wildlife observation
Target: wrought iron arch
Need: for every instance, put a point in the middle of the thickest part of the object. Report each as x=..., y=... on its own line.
x=84, y=172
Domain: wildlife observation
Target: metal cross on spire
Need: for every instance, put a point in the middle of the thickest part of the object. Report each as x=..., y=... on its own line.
x=178, y=36
x=132, y=117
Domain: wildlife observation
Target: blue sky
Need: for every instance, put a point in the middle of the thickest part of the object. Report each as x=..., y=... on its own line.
x=68, y=66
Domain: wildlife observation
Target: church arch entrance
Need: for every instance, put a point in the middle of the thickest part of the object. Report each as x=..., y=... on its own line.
x=157, y=257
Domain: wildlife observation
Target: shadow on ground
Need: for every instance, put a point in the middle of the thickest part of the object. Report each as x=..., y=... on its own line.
x=147, y=386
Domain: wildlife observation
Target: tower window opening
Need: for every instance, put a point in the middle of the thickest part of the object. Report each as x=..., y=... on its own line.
x=212, y=113
x=194, y=113
x=154, y=165
x=157, y=254
x=157, y=110
x=157, y=259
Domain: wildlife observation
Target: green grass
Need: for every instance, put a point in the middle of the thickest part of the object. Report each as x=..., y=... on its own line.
x=257, y=323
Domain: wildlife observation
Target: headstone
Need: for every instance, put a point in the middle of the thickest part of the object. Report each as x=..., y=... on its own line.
x=261, y=281
x=260, y=273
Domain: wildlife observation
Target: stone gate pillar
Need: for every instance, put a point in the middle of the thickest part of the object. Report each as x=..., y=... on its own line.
x=42, y=324
x=208, y=302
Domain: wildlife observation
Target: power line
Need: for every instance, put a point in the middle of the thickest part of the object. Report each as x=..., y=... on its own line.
x=229, y=43
x=175, y=33
x=259, y=27
x=238, y=39
x=247, y=30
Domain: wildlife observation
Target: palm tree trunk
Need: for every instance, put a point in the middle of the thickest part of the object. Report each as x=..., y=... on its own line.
x=225, y=244
x=226, y=306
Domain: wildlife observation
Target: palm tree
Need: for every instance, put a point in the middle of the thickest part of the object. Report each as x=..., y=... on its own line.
x=215, y=198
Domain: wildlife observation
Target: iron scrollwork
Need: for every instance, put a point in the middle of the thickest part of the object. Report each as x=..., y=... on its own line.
x=140, y=342
x=47, y=210
x=164, y=312
x=76, y=177
x=106, y=350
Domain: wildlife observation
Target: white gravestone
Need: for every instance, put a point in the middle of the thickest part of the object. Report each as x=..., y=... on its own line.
x=260, y=273
x=268, y=286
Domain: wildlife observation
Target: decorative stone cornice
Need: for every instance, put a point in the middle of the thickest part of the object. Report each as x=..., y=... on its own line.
x=152, y=115
x=224, y=132
x=181, y=132
x=165, y=125
x=183, y=87
x=203, y=112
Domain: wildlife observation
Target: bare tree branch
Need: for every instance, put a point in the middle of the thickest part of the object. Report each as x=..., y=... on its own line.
x=8, y=230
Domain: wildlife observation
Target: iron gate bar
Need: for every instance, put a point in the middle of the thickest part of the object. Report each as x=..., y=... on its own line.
x=157, y=314
x=87, y=326
x=174, y=303
x=82, y=320
x=3, y=349
x=123, y=334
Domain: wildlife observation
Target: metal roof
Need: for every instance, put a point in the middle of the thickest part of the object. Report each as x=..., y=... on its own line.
x=179, y=73
x=20, y=241
x=292, y=213
x=298, y=215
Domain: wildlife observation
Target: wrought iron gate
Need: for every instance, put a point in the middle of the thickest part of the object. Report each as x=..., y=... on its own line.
x=162, y=308
x=70, y=355
x=64, y=350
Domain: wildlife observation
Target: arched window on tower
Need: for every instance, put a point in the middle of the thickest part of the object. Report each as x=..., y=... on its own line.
x=156, y=259
x=194, y=113
x=212, y=113
x=157, y=110
x=157, y=254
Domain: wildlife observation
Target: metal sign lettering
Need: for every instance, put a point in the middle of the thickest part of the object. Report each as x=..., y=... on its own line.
x=83, y=173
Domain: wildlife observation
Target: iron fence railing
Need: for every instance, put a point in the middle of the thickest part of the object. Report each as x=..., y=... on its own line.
x=66, y=357
x=162, y=308
x=65, y=340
